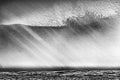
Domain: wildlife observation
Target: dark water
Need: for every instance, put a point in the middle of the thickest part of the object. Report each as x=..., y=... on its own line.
x=62, y=75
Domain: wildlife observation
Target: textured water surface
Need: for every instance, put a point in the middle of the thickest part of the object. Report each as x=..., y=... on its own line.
x=62, y=75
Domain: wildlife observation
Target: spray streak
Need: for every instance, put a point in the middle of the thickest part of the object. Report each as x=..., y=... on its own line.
x=55, y=47
x=70, y=45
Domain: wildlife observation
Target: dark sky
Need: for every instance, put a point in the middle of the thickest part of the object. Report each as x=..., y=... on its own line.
x=10, y=9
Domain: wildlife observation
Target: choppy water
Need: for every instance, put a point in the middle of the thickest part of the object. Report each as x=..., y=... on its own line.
x=62, y=75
